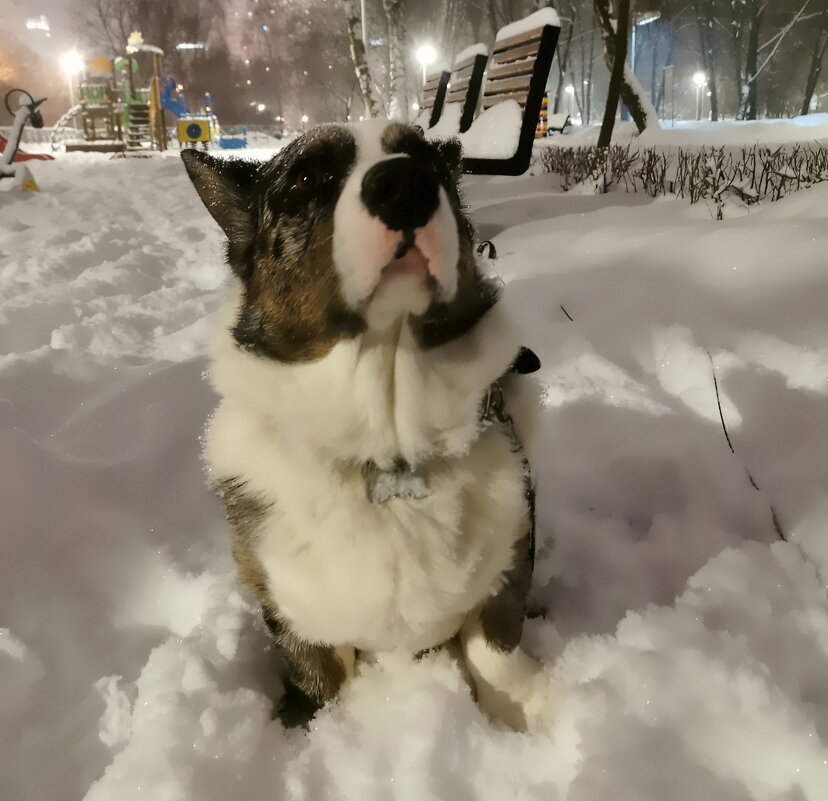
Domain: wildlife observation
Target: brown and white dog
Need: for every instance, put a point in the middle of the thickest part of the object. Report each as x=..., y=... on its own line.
x=375, y=501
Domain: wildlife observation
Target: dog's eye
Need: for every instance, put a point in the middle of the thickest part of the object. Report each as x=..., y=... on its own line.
x=308, y=179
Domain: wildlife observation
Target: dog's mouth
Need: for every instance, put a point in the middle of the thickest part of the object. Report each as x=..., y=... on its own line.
x=408, y=260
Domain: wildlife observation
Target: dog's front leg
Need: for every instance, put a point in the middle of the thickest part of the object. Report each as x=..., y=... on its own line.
x=504, y=675
x=315, y=673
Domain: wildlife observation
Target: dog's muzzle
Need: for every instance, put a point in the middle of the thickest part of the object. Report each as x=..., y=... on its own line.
x=402, y=192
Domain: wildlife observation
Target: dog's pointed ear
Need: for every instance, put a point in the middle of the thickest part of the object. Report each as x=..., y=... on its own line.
x=225, y=186
x=451, y=152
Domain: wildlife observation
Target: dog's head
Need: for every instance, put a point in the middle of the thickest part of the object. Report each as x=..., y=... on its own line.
x=348, y=228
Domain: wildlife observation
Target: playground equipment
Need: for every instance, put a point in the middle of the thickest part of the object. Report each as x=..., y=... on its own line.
x=192, y=129
x=122, y=107
x=120, y=104
x=28, y=111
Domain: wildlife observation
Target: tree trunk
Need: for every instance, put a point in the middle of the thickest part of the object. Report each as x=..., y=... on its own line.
x=397, y=73
x=563, y=61
x=613, y=33
x=656, y=36
x=704, y=19
x=615, y=49
x=491, y=14
x=751, y=92
x=817, y=56
x=357, y=46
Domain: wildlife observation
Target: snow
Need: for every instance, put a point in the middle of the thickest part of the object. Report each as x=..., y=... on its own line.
x=686, y=646
x=650, y=114
x=544, y=16
x=495, y=132
x=478, y=49
x=449, y=122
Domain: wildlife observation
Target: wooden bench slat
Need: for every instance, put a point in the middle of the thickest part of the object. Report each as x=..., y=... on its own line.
x=521, y=39
x=458, y=83
x=456, y=97
x=523, y=67
x=519, y=83
x=491, y=100
x=466, y=64
x=463, y=73
x=431, y=84
x=529, y=51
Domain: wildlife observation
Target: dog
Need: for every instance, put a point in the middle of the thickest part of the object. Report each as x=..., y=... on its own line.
x=371, y=473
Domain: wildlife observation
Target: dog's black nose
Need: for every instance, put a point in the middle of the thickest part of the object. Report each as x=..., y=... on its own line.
x=402, y=192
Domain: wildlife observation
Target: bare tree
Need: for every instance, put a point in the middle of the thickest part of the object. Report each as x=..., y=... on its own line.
x=817, y=57
x=568, y=19
x=357, y=48
x=614, y=31
x=705, y=16
x=397, y=73
x=618, y=62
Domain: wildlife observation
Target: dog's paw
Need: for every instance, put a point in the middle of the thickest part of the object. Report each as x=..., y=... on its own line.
x=517, y=701
x=295, y=708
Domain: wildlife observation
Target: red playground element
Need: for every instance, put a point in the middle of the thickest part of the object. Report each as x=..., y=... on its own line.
x=21, y=156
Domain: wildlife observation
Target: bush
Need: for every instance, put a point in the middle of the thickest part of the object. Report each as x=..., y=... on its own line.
x=708, y=173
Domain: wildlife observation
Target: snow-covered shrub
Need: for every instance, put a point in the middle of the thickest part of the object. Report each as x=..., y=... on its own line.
x=716, y=174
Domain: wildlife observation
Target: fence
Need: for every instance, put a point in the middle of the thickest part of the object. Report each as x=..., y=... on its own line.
x=31, y=136
x=748, y=174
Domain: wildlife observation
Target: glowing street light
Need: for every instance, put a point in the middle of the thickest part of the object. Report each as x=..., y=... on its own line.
x=72, y=64
x=700, y=79
x=426, y=55
x=304, y=119
x=261, y=107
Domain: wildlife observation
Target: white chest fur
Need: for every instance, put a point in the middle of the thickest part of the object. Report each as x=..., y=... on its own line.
x=341, y=569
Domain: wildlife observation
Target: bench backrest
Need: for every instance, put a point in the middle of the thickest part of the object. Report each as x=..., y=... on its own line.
x=434, y=95
x=466, y=82
x=518, y=70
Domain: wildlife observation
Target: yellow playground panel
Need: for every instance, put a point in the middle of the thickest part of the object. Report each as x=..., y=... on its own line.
x=192, y=130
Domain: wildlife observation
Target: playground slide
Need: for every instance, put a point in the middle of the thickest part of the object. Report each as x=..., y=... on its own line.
x=22, y=155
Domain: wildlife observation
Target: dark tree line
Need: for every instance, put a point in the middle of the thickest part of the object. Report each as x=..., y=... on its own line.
x=760, y=57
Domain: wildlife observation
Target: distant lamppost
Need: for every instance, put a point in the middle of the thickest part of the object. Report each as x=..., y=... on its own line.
x=72, y=63
x=261, y=107
x=304, y=120
x=700, y=79
x=570, y=91
x=426, y=55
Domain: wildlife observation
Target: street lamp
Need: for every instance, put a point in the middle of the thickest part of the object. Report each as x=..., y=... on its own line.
x=72, y=63
x=261, y=107
x=700, y=79
x=426, y=55
x=570, y=90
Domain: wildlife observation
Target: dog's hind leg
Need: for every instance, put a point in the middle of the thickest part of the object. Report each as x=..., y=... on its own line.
x=315, y=673
x=504, y=675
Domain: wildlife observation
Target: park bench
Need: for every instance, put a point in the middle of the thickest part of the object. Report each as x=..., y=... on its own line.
x=499, y=141
x=450, y=99
x=434, y=97
x=559, y=122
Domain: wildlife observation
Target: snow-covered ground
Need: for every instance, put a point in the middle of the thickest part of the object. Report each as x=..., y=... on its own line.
x=688, y=644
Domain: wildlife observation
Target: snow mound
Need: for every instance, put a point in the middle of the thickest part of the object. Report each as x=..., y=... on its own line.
x=685, y=647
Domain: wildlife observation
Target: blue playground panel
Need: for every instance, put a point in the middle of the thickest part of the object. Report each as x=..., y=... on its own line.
x=234, y=142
